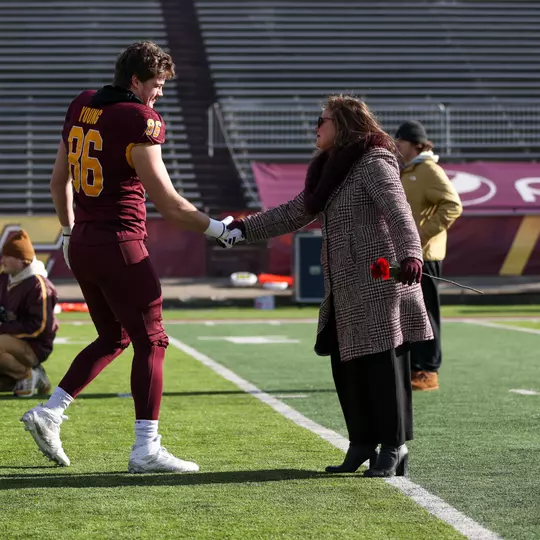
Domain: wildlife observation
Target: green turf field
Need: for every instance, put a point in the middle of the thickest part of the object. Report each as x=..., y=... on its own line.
x=477, y=444
x=311, y=312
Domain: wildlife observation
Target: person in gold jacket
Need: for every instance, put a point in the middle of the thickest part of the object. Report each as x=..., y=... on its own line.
x=435, y=205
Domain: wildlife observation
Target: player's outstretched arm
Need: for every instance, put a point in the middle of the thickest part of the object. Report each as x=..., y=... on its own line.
x=60, y=186
x=173, y=207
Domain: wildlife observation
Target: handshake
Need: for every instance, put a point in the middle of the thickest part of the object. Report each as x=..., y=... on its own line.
x=232, y=232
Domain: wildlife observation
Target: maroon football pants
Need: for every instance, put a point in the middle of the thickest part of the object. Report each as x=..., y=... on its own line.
x=123, y=294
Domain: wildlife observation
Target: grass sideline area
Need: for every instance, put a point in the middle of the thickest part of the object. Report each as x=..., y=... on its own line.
x=261, y=475
x=476, y=440
x=223, y=313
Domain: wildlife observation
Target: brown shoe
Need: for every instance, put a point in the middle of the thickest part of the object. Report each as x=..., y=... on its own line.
x=425, y=380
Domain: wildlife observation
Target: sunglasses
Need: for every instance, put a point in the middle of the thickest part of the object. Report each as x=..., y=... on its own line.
x=321, y=120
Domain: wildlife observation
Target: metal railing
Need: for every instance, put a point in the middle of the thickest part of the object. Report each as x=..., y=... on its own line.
x=218, y=138
x=284, y=131
x=453, y=129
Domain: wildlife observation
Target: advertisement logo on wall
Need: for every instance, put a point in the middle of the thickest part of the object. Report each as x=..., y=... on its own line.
x=472, y=188
x=44, y=231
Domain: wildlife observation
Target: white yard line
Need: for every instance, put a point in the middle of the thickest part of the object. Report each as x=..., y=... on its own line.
x=524, y=392
x=210, y=322
x=433, y=504
x=285, y=321
x=220, y=322
x=489, y=324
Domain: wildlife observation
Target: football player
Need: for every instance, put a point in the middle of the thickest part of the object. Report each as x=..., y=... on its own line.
x=108, y=158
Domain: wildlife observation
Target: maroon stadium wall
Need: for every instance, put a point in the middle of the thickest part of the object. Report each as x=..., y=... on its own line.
x=175, y=253
x=497, y=234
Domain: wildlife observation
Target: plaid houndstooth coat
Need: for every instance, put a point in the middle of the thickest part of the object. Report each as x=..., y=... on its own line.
x=365, y=218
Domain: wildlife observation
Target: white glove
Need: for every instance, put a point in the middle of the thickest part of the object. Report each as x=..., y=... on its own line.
x=219, y=231
x=227, y=220
x=233, y=237
x=66, y=235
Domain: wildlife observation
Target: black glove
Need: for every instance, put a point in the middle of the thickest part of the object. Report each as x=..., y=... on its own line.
x=3, y=314
x=237, y=224
x=410, y=271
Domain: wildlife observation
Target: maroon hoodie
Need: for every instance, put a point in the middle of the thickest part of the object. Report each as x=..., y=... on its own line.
x=29, y=309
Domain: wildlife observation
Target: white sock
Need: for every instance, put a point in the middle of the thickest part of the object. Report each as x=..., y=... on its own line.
x=146, y=432
x=59, y=401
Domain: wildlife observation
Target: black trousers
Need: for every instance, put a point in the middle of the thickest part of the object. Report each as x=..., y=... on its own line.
x=376, y=396
x=427, y=355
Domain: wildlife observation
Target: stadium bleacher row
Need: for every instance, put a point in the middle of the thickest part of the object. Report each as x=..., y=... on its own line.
x=394, y=50
x=49, y=52
x=467, y=69
x=284, y=132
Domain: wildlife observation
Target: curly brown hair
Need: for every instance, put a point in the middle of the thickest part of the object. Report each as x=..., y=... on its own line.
x=354, y=122
x=145, y=60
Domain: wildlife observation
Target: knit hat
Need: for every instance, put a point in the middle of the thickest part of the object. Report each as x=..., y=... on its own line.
x=413, y=132
x=19, y=246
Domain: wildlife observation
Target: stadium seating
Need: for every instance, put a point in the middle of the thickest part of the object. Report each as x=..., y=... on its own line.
x=49, y=52
x=467, y=69
x=435, y=50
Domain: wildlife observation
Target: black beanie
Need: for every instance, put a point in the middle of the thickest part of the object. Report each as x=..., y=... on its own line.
x=413, y=132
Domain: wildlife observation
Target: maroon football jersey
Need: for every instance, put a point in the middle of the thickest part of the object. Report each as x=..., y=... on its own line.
x=99, y=132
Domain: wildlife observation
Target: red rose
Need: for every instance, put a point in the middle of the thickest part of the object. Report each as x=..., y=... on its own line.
x=380, y=269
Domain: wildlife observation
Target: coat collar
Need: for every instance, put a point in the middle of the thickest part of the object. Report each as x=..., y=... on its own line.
x=327, y=173
x=336, y=191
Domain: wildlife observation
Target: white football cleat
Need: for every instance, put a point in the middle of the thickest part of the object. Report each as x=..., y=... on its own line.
x=44, y=426
x=140, y=461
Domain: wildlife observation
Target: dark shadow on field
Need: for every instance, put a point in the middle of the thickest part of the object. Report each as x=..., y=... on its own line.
x=25, y=467
x=4, y=397
x=30, y=401
x=119, y=479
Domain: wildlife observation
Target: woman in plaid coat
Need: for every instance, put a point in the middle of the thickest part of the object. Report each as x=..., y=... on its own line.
x=353, y=190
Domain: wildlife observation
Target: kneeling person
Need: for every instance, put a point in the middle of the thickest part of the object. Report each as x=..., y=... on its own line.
x=27, y=322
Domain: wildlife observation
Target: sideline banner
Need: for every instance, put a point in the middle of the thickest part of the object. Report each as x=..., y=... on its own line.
x=497, y=234
x=484, y=187
x=477, y=246
x=175, y=253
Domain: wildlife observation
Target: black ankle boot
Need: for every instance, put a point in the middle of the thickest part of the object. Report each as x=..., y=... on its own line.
x=356, y=455
x=392, y=461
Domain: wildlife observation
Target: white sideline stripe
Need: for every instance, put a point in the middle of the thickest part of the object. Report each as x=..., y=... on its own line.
x=433, y=504
x=221, y=322
x=290, y=396
x=277, y=322
x=524, y=392
x=489, y=324
x=67, y=341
